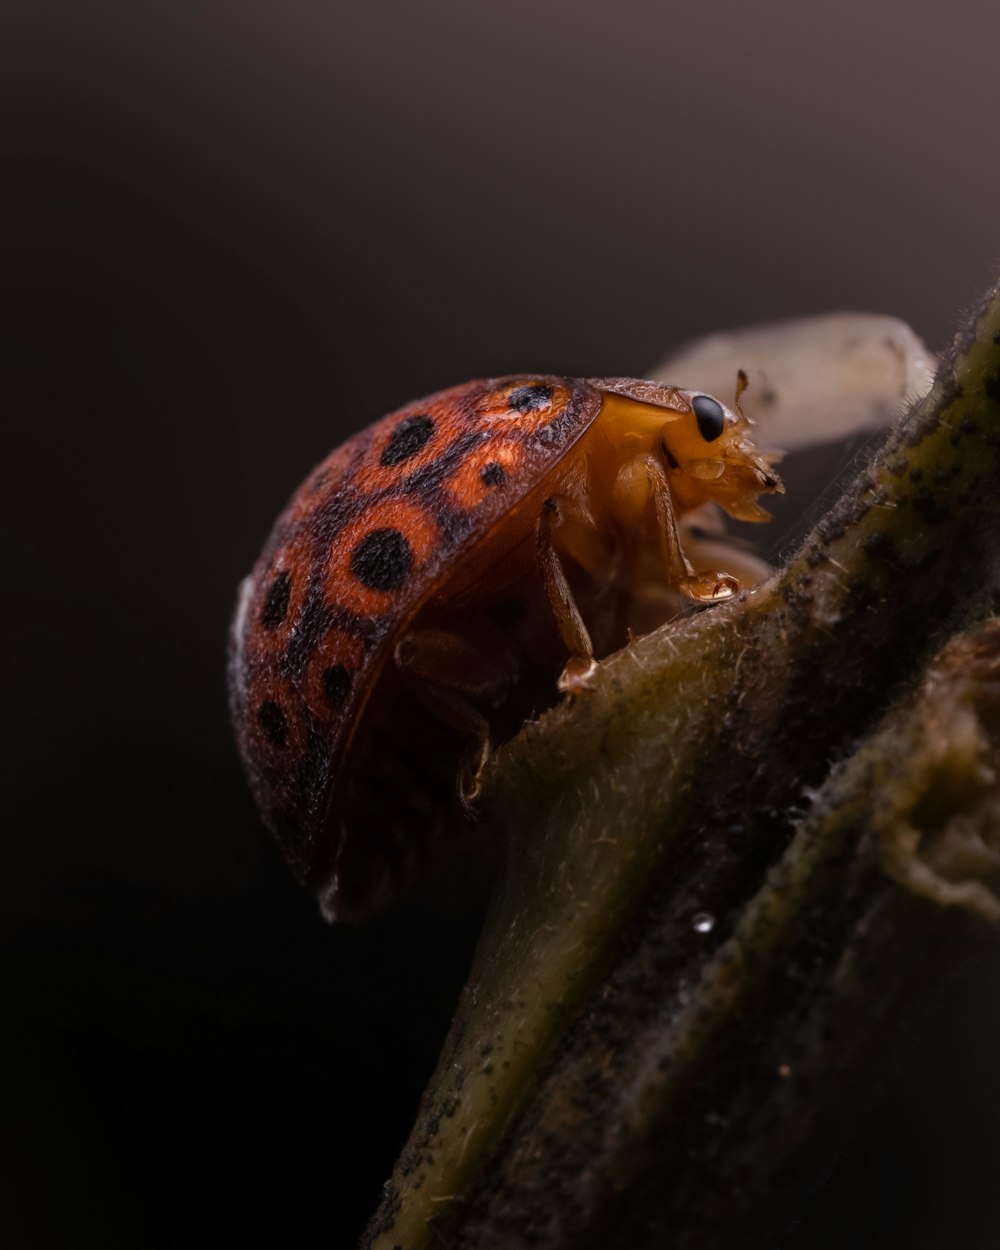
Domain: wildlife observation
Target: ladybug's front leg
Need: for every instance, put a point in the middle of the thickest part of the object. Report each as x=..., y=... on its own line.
x=565, y=522
x=644, y=478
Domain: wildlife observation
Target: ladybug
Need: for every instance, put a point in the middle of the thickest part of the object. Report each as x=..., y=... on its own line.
x=441, y=578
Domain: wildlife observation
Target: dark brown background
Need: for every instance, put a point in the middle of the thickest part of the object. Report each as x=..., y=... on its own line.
x=233, y=233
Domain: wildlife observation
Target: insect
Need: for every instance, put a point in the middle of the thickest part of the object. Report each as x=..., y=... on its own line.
x=441, y=577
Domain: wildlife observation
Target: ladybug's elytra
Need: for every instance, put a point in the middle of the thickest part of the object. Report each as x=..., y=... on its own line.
x=440, y=577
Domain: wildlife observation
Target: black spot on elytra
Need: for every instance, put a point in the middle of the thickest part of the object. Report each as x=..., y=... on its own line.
x=493, y=474
x=710, y=416
x=528, y=398
x=336, y=683
x=407, y=439
x=272, y=720
x=276, y=604
x=314, y=619
x=382, y=560
x=423, y=482
x=992, y=385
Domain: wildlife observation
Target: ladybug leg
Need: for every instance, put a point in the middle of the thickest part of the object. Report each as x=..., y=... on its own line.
x=558, y=512
x=645, y=477
x=708, y=546
x=474, y=729
x=447, y=671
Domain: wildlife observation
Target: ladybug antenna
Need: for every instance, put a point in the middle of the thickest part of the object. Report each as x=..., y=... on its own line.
x=742, y=382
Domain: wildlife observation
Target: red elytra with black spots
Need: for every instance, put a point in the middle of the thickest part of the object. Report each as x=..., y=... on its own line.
x=425, y=525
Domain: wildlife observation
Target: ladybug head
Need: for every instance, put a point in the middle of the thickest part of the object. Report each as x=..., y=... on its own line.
x=705, y=445
x=712, y=458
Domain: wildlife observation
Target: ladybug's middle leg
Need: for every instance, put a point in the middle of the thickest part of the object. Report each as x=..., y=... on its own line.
x=565, y=527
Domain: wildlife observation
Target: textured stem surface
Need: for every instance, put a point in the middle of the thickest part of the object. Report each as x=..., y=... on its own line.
x=714, y=859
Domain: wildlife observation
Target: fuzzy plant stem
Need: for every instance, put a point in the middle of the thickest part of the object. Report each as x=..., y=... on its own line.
x=726, y=866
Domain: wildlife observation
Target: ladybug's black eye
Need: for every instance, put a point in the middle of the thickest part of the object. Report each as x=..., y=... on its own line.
x=710, y=415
